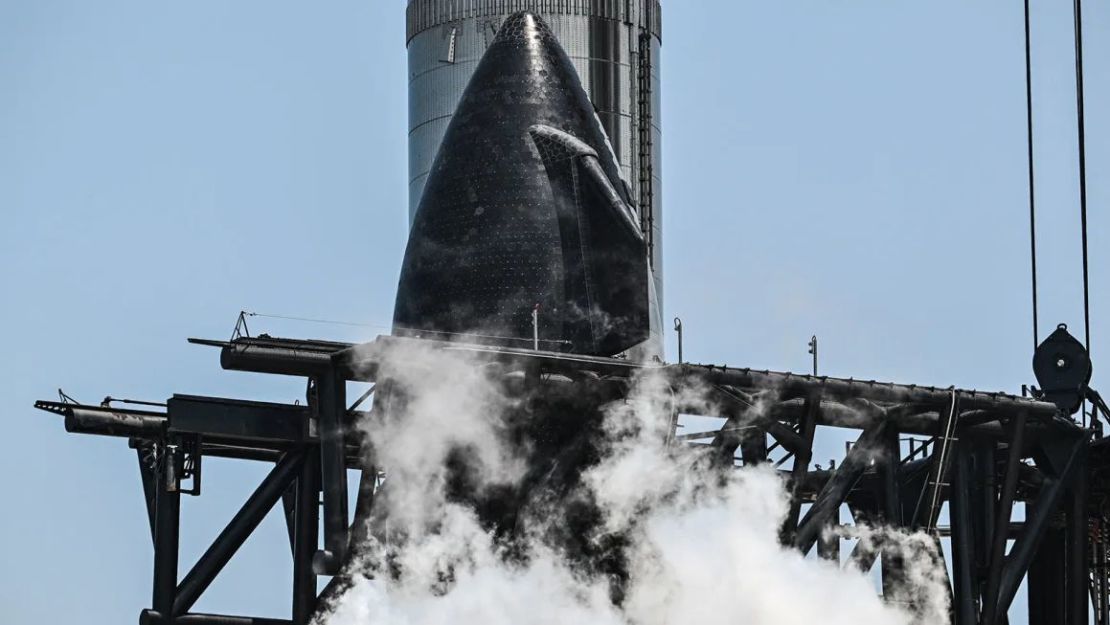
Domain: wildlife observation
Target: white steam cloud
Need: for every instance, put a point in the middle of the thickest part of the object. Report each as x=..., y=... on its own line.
x=699, y=546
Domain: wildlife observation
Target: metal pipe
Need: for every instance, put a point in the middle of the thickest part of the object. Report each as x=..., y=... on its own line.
x=906, y=418
x=330, y=404
x=147, y=427
x=107, y=421
x=238, y=529
x=152, y=617
x=789, y=386
x=278, y=356
x=362, y=362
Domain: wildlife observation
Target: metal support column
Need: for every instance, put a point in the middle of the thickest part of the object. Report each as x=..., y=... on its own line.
x=889, y=509
x=753, y=447
x=306, y=528
x=890, y=493
x=148, y=473
x=992, y=607
x=1077, y=531
x=966, y=597
x=1047, y=573
x=983, y=489
x=166, y=534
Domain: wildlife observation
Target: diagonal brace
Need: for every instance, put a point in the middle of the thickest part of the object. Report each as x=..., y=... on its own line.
x=1047, y=503
x=238, y=529
x=801, y=466
x=836, y=490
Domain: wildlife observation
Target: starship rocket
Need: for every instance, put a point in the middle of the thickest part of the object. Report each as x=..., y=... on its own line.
x=526, y=231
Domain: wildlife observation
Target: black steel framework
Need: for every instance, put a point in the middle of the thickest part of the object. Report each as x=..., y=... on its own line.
x=980, y=454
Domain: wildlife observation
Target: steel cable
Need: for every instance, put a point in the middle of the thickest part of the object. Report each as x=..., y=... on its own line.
x=1078, y=12
x=1032, y=194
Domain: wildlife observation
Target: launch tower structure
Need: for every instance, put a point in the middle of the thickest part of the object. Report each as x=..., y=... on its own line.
x=614, y=45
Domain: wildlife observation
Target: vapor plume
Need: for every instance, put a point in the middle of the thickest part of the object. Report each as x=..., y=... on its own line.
x=645, y=533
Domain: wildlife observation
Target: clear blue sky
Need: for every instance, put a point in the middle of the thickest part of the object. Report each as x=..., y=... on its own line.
x=854, y=169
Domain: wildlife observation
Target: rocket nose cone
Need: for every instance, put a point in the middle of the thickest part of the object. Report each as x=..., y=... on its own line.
x=523, y=27
x=525, y=78
x=486, y=244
